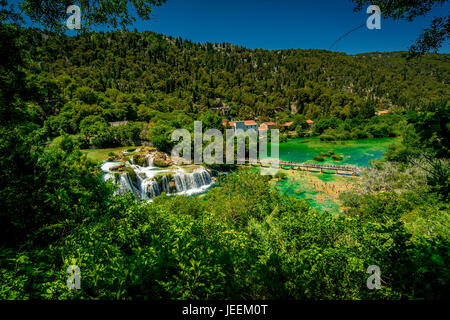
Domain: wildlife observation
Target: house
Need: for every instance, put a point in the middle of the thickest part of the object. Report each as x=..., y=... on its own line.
x=310, y=123
x=382, y=112
x=287, y=124
x=250, y=125
x=270, y=125
x=238, y=125
x=267, y=126
x=242, y=125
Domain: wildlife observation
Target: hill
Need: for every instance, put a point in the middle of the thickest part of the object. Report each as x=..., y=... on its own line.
x=129, y=74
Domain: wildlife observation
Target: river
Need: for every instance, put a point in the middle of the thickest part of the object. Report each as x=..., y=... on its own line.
x=354, y=152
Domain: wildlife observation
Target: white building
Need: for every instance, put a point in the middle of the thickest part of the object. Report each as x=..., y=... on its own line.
x=243, y=125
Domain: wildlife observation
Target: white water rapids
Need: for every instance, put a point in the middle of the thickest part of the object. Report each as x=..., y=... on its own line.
x=149, y=181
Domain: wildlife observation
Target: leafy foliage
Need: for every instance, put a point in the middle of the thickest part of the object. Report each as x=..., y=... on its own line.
x=237, y=243
x=113, y=13
x=433, y=37
x=242, y=240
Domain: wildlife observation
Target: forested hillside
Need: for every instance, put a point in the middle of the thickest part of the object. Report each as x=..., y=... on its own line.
x=126, y=75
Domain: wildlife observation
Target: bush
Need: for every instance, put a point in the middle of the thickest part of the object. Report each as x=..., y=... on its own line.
x=319, y=158
x=327, y=154
x=326, y=137
x=280, y=175
x=337, y=157
x=53, y=187
x=283, y=138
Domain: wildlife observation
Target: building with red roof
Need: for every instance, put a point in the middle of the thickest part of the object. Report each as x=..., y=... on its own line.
x=242, y=125
x=270, y=125
x=287, y=124
x=310, y=123
x=229, y=123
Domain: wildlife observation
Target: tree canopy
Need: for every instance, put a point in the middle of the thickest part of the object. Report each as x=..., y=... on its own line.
x=51, y=14
x=433, y=37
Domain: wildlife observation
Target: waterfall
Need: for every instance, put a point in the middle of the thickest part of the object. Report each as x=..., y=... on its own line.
x=165, y=184
x=149, y=182
x=192, y=181
x=150, y=160
x=150, y=189
x=126, y=184
x=147, y=164
x=109, y=176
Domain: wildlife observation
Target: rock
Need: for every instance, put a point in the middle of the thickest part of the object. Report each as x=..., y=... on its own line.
x=161, y=159
x=119, y=167
x=180, y=161
x=119, y=157
x=140, y=159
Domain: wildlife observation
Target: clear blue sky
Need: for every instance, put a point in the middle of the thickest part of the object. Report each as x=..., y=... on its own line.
x=281, y=24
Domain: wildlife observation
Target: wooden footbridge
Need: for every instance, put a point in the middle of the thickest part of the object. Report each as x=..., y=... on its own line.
x=338, y=169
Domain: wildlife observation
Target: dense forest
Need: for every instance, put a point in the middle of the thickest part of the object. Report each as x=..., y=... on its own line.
x=243, y=239
x=95, y=78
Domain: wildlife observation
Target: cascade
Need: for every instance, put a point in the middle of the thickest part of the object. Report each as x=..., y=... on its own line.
x=126, y=184
x=150, y=189
x=192, y=181
x=145, y=184
x=150, y=160
x=165, y=184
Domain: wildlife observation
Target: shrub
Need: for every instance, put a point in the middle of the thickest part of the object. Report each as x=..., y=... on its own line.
x=280, y=175
x=319, y=158
x=337, y=157
x=327, y=137
x=327, y=154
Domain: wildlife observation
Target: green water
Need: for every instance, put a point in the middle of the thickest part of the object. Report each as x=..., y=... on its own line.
x=303, y=191
x=301, y=188
x=355, y=152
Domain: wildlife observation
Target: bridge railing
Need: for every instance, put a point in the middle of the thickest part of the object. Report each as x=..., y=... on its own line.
x=313, y=165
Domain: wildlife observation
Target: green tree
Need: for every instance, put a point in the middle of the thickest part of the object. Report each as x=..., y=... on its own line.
x=51, y=13
x=433, y=37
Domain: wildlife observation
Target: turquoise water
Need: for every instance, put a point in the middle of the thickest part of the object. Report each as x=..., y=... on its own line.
x=355, y=152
